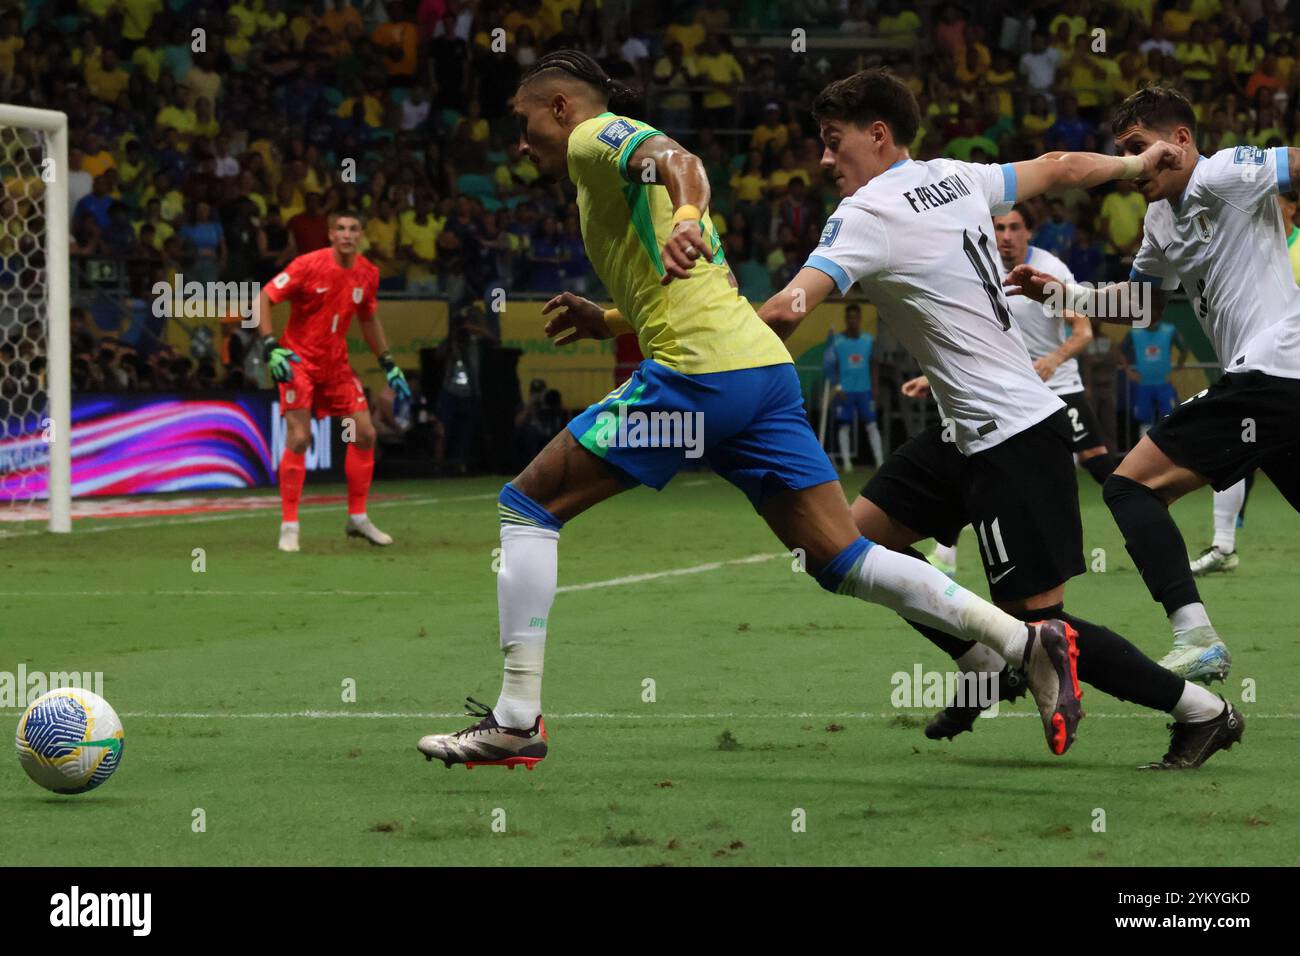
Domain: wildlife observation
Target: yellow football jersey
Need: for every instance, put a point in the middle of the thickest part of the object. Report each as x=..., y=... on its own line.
x=692, y=326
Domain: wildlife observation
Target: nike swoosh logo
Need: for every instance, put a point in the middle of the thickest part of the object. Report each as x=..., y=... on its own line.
x=995, y=580
x=326, y=289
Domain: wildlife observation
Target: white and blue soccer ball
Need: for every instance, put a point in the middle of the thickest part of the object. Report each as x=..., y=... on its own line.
x=69, y=740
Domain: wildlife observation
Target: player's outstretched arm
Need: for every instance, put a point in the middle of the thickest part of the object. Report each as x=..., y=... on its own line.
x=661, y=159
x=1121, y=303
x=785, y=310
x=373, y=333
x=1079, y=338
x=1060, y=170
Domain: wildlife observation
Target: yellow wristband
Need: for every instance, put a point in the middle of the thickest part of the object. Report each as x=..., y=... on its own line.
x=686, y=212
x=616, y=323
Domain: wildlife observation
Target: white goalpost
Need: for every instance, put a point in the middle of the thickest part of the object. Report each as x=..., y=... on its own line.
x=35, y=341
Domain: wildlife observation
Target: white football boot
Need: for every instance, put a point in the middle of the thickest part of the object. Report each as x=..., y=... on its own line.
x=289, y=536
x=1199, y=655
x=1213, y=561
x=359, y=526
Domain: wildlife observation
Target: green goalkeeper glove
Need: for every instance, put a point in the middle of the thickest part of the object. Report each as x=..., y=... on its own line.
x=277, y=359
x=396, y=380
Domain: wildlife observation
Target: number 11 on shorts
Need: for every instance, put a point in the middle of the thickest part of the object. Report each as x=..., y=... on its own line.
x=992, y=548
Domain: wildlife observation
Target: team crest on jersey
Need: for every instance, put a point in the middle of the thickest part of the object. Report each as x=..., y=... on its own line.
x=1202, y=226
x=281, y=280
x=830, y=231
x=614, y=133
x=356, y=295
x=1248, y=155
x=289, y=395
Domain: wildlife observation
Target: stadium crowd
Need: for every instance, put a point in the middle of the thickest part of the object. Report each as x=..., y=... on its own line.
x=213, y=139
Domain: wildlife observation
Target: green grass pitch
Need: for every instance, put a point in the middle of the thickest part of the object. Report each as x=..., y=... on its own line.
x=770, y=698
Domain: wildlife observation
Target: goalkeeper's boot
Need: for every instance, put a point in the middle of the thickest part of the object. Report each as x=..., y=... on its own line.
x=958, y=718
x=1190, y=745
x=362, y=527
x=1199, y=655
x=1051, y=670
x=487, y=743
x=1214, y=561
x=289, y=536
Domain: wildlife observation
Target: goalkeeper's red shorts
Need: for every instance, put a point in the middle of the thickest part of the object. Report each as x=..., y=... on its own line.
x=336, y=391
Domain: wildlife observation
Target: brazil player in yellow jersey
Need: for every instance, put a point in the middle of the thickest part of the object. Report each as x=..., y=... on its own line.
x=718, y=385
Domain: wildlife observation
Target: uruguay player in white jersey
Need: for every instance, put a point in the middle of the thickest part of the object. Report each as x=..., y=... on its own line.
x=1054, y=342
x=1212, y=225
x=918, y=236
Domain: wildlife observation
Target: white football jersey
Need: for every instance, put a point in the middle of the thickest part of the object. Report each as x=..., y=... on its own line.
x=1043, y=330
x=1223, y=240
x=919, y=238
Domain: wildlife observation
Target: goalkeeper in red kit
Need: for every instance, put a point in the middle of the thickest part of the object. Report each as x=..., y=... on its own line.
x=325, y=290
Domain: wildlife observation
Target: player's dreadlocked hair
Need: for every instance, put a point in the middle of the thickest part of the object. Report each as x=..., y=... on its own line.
x=583, y=67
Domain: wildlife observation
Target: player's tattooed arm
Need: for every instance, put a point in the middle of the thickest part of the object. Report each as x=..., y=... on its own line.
x=1060, y=170
x=785, y=310
x=662, y=160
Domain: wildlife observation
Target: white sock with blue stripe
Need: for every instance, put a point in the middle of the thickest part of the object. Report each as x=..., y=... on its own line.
x=526, y=581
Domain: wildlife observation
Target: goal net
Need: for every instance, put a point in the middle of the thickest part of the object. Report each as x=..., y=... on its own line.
x=35, y=399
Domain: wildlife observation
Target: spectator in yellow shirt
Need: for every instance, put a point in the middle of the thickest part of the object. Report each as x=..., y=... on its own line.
x=748, y=185
x=418, y=238
x=178, y=115
x=721, y=72
x=788, y=171
x=96, y=160
x=687, y=31
x=10, y=43
x=1121, y=219
x=381, y=234
x=1073, y=19
x=372, y=110
x=106, y=79
x=1178, y=20
x=771, y=130
x=972, y=57
x=673, y=72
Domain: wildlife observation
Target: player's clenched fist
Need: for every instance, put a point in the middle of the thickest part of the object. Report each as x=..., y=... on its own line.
x=684, y=246
x=581, y=318
x=277, y=359
x=1160, y=155
x=1031, y=283
x=918, y=387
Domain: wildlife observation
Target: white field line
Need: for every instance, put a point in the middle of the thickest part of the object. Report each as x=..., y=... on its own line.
x=125, y=524
x=587, y=586
x=589, y=715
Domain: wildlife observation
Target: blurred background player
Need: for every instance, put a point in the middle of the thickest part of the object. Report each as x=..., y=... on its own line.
x=1147, y=358
x=326, y=289
x=848, y=368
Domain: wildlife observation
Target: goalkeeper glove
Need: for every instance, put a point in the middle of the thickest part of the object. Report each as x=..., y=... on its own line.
x=277, y=359
x=396, y=380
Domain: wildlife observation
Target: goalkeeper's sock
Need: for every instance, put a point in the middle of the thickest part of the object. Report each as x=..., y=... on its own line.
x=293, y=471
x=923, y=595
x=526, y=581
x=359, y=467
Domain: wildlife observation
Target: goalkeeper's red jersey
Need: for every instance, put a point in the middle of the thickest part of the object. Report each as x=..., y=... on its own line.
x=323, y=298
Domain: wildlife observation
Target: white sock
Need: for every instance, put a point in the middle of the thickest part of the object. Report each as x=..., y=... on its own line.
x=873, y=439
x=525, y=590
x=1188, y=617
x=981, y=659
x=359, y=517
x=842, y=433
x=1196, y=704
x=1227, y=506
x=922, y=593
x=945, y=554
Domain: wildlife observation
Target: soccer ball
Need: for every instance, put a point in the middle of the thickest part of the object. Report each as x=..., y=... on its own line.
x=70, y=740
